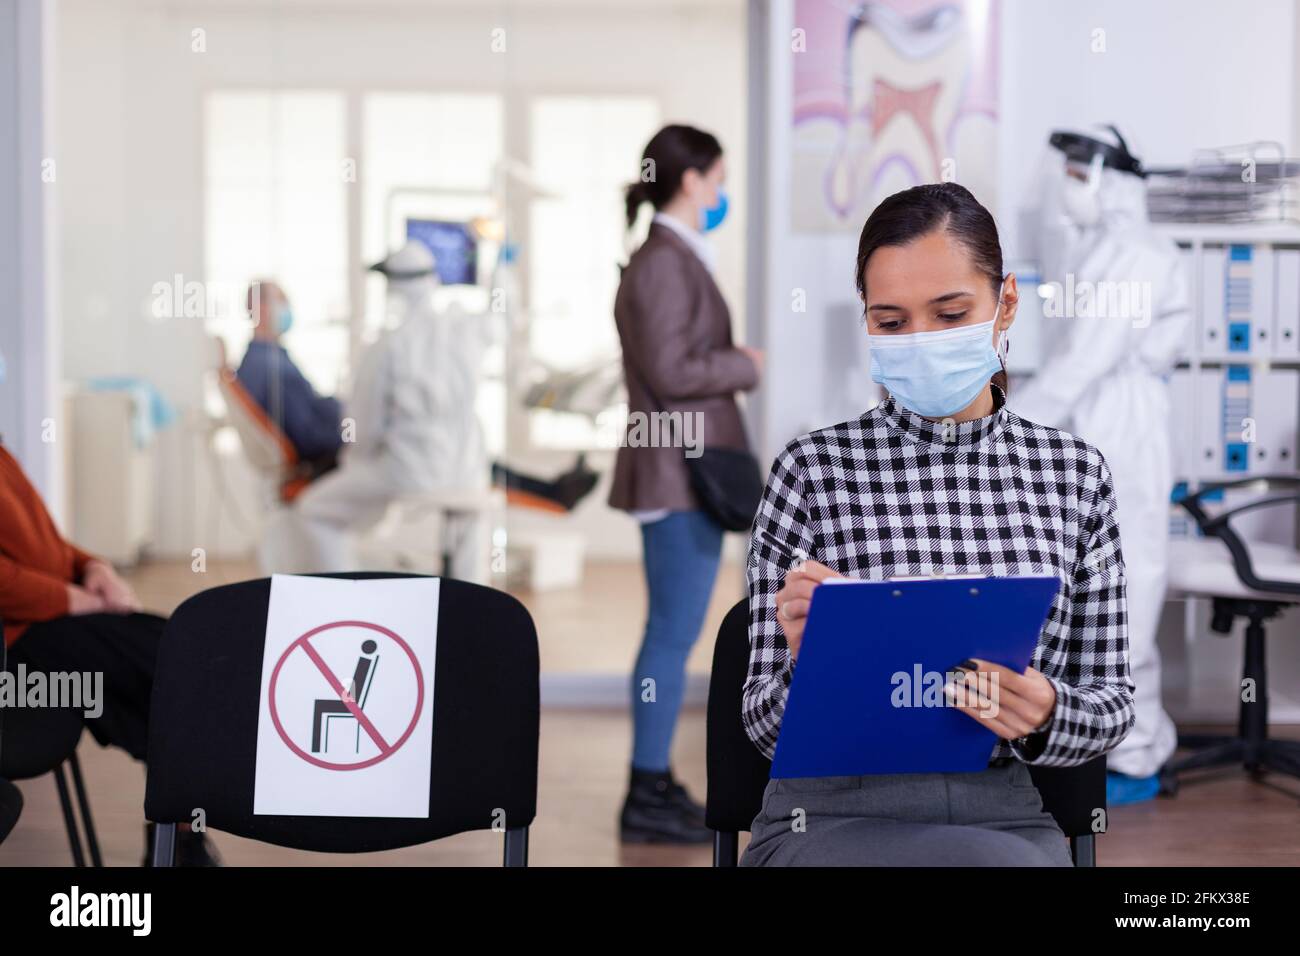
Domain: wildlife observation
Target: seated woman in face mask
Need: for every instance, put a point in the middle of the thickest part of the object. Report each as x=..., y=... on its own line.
x=941, y=477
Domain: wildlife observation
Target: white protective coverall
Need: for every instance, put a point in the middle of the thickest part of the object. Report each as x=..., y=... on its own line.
x=417, y=430
x=1104, y=379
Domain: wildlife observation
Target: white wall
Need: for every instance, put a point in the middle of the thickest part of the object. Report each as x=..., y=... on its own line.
x=31, y=420
x=130, y=120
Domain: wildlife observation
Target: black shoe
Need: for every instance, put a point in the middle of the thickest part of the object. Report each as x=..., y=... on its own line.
x=575, y=484
x=192, y=849
x=195, y=849
x=678, y=794
x=659, y=810
x=561, y=494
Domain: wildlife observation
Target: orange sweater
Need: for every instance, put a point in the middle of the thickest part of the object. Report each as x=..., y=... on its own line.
x=36, y=563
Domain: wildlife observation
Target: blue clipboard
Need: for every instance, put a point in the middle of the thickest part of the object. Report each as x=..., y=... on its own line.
x=858, y=700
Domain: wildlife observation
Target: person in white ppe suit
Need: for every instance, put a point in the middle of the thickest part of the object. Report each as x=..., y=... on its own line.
x=1116, y=324
x=415, y=429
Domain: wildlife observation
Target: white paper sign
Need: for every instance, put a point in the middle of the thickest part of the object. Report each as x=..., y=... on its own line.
x=345, y=725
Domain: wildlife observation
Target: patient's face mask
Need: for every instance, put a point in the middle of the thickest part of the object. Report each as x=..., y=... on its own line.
x=938, y=373
x=283, y=319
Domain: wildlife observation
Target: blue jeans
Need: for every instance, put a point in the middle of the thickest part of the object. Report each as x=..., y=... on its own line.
x=682, y=552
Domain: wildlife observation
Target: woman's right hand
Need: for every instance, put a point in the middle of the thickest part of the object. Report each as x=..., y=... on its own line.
x=81, y=601
x=794, y=599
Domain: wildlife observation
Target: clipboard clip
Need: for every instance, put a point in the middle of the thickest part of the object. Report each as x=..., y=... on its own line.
x=937, y=576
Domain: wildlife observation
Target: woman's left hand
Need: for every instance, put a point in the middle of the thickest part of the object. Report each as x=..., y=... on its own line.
x=1006, y=702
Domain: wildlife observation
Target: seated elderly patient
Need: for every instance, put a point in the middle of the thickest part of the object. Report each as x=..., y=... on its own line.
x=65, y=611
x=311, y=422
x=941, y=477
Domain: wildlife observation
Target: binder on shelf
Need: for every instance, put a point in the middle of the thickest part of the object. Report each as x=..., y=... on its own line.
x=1184, y=413
x=1247, y=299
x=1286, y=325
x=1259, y=315
x=1214, y=262
x=1224, y=401
x=1277, y=416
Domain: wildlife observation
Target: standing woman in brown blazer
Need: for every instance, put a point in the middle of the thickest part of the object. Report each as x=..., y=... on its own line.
x=682, y=371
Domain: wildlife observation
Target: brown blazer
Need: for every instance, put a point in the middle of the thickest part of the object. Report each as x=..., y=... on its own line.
x=675, y=330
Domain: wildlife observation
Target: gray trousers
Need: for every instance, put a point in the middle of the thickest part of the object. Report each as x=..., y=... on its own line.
x=991, y=818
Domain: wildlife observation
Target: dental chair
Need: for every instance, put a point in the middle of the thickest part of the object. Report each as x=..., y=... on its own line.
x=267, y=448
x=1252, y=581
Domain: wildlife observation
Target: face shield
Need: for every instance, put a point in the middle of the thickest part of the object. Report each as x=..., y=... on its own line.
x=1095, y=163
x=412, y=279
x=1081, y=192
x=1045, y=223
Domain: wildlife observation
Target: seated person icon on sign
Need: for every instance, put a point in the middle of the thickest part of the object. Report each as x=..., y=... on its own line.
x=328, y=708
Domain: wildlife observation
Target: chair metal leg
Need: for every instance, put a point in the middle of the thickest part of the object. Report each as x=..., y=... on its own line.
x=1227, y=751
x=1281, y=756
x=516, y=852
x=92, y=844
x=164, y=844
x=1084, y=849
x=1251, y=748
x=69, y=820
x=726, y=848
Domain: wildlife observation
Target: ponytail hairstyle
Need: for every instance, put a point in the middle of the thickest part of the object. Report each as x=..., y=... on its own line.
x=908, y=215
x=669, y=154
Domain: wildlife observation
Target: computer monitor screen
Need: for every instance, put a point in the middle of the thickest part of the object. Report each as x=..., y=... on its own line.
x=454, y=248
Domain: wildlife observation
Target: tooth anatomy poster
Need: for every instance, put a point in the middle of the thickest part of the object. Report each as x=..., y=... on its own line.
x=888, y=95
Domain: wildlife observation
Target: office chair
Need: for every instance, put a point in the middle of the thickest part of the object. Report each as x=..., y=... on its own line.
x=1254, y=582
x=37, y=741
x=738, y=773
x=204, y=713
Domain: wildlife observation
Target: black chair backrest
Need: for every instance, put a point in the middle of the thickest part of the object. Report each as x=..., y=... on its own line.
x=203, y=722
x=738, y=773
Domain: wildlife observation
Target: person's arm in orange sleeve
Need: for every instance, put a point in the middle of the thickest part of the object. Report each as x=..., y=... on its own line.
x=28, y=595
x=79, y=560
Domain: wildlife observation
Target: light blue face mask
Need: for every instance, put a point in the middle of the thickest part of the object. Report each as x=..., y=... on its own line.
x=938, y=373
x=712, y=217
x=283, y=319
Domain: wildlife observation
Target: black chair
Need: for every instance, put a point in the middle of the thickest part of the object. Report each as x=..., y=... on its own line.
x=37, y=741
x=203, y=726
x=1252, y=581
x=738, y=773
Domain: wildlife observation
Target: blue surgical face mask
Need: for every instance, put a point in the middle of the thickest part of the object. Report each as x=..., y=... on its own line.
x=283, y=319
x=938, y=373
x=712, y=217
